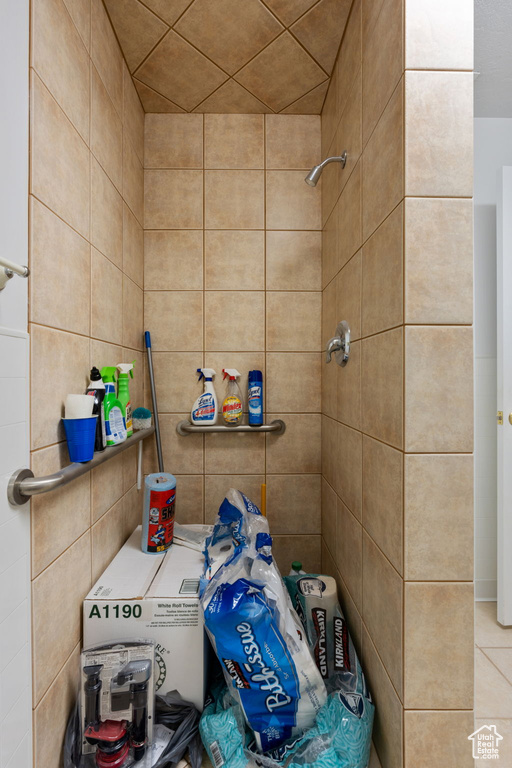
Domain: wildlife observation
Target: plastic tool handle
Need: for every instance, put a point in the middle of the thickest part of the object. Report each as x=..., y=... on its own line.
x=147, y=337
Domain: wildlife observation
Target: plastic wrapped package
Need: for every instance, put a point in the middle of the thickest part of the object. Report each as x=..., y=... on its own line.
x=112, y=725
x=254, y=630
x=246, y=583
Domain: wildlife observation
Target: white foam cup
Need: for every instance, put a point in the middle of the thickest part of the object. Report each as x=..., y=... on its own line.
x=79, y=406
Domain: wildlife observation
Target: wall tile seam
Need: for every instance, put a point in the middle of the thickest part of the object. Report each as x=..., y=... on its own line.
x=371, y=28
x=95, y=338
x=33, y=67
x=61, y=109
x=358, y=249
x=364, y=144
x=412, y=709
x=40, y=702
x=383, y=331
x=94, y=523
x=376, y=651
x=228, y=290
x=120, y=190
x=448, y=582
x=129, y=141
x=216, y=229
x=436, y=581
x=261, y=169
x=349, y=89
x=249, y=474
x=386, y=558
x=336, y=58
x=339, y=193
x=87, y=145
x=364, y=240
x=84, y=532
x=233, y=229
x=400, y=83
x=383, y=442
x=223, y=352
x=361, y=522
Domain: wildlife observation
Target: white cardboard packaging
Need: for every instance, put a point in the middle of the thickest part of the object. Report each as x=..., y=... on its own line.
x=154, y=597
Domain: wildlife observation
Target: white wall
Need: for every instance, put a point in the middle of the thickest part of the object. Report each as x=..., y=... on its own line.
x=493, y=149
x=15, y=654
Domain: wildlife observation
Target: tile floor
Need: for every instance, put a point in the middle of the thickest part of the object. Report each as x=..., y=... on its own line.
x=493, y=677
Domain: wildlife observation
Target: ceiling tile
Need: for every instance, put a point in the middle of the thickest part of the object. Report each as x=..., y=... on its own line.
x=168, y=10
x=310, y=104
x=281, y=73
x=137, y=29
x=153, y=101
x=180, y=73
x=321, y=30
x=289, y=10
x=246, y=28
x=231, y=98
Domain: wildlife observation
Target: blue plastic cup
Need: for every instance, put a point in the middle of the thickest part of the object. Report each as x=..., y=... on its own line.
x=80, y=434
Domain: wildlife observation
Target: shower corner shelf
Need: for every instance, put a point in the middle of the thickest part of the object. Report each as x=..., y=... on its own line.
x=276, y=427
x=22, y=484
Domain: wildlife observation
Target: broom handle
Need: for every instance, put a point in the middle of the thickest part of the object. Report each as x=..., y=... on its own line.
x=147, y=337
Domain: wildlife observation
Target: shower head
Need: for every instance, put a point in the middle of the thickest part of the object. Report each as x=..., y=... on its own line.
x=316, y=172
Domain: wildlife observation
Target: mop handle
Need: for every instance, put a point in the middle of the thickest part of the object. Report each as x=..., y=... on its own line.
x=147, y=338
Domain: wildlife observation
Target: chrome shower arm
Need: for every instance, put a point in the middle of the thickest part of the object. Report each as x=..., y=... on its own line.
x=315, y=173
x=335, y=159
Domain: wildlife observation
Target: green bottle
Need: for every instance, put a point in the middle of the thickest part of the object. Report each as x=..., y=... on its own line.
x=115, y=424
x=123, y=393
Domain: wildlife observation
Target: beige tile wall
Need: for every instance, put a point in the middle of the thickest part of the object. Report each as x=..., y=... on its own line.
x=233, y=279
x=397, y=421
x=86, y=308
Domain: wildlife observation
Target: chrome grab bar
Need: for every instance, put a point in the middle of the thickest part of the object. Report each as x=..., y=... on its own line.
x=8, y=269
x=186, y=428
x=22, y=484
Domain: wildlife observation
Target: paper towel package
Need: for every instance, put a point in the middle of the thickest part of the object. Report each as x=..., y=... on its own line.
x=154, y=597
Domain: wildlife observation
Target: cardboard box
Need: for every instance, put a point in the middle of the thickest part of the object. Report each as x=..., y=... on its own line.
x=155, y=597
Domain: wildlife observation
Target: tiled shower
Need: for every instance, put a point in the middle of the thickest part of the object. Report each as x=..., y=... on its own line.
x=194, y=222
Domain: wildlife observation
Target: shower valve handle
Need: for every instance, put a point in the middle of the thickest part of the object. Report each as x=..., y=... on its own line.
x=339, y=345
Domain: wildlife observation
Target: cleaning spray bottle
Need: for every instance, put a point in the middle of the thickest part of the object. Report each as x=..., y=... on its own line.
x=96, y=389
x=204, y=410
x=255, y=398
x=123, y=393
x=115, y=425
x=232, y=408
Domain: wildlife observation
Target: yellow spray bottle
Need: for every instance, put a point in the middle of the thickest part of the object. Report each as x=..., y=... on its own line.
x=232, y=407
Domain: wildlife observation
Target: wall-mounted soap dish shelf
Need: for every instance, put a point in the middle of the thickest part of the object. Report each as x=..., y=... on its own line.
x=22, y=484
x=277, y=427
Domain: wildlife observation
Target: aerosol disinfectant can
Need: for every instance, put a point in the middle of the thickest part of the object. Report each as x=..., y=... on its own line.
x=158, y=515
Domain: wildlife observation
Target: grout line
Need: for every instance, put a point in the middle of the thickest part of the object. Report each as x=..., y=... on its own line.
x=308, y=93
x=232, y=76
x=179, y=110
x=496, y=666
